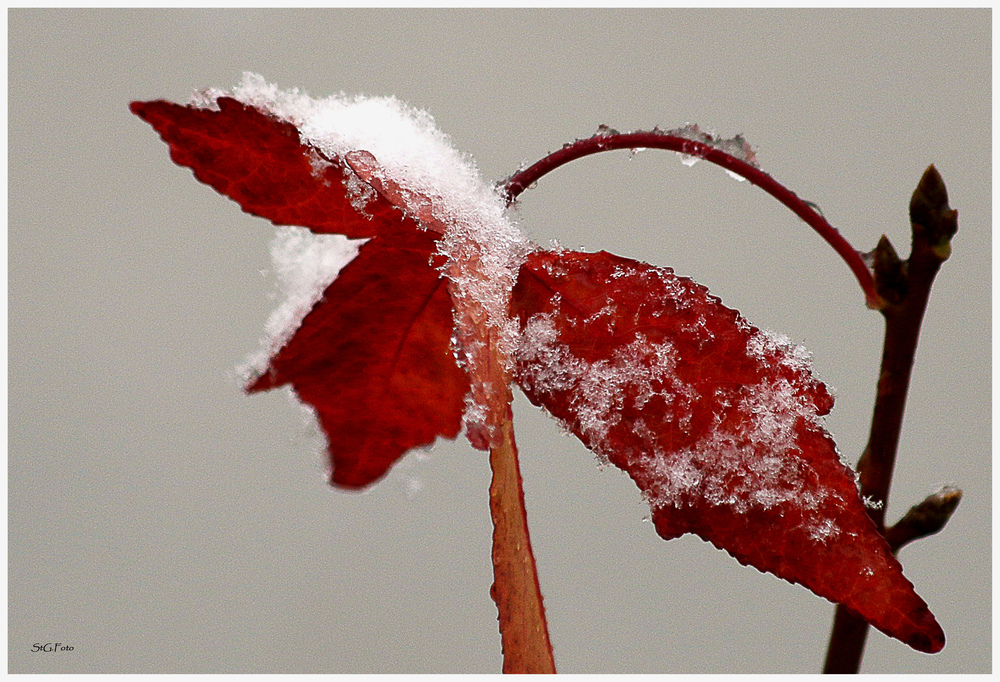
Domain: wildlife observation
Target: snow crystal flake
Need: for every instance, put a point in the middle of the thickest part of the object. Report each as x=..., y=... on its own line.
x=751, y=467
x=871, y=502
x=631, y=377
x=745, y=463
x=766, y=345
x=824, y=531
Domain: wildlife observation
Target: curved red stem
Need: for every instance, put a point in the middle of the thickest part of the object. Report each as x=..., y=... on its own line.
x=606, y=141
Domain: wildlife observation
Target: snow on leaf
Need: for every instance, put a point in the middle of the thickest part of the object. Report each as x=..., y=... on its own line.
x=305, y=264
x=718, y=423
x=398, y=151
x=408, y=145
x=259, y=162
x=482, y=252
x=374, y=360
x=362, y=167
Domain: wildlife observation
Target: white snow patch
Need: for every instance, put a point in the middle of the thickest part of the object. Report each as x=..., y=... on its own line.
x=766, y=344
x=754, y=466
x=750, y=467
x=404, y=140
x=305, y=264
x=871, y=502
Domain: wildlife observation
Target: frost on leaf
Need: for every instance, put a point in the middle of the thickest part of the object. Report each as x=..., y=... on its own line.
x=718, y=423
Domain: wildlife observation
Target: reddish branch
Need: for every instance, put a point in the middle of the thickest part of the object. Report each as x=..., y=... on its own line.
x=906, y=286
x=664, y=140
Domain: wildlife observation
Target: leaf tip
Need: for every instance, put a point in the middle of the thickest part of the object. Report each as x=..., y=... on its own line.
x=929, y=639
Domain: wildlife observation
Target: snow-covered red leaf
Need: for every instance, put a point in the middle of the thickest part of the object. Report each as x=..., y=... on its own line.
x=258, y=161
x=374, y=361
x=718, y=423
x=373, y=355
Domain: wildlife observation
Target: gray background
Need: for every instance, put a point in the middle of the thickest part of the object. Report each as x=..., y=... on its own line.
x=161, y=521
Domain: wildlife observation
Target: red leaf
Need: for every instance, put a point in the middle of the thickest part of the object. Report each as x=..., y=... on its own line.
x=258, y=161
x=374, y=360
x=716, y=422
x=373, y=357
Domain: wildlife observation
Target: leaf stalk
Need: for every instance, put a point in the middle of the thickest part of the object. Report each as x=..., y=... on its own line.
x=524, y=631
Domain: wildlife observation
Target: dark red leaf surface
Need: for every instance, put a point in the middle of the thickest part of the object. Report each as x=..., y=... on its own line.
x=716, y=422
x=258, y=161
x=374, y=360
